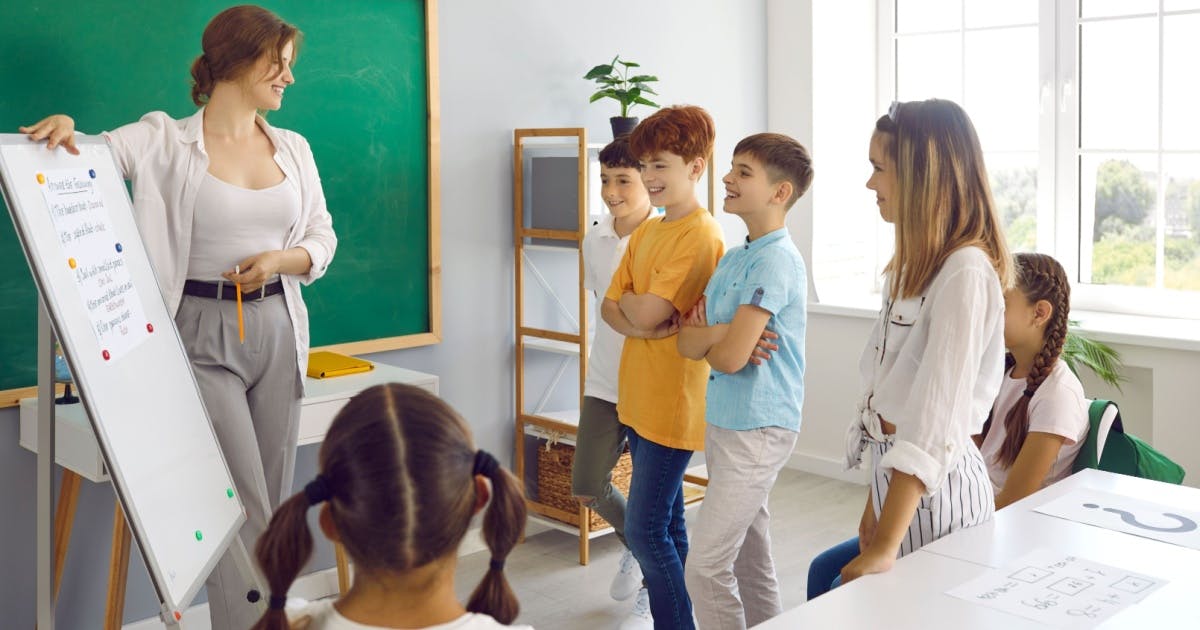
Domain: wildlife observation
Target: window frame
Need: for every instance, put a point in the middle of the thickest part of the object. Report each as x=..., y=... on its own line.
x=1059, y=213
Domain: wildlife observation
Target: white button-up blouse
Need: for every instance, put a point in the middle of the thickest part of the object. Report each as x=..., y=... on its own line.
x=166, y=160
x=932, y=367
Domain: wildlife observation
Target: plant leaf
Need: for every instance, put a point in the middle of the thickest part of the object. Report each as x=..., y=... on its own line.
x=645, y=89
x=642, y=78
x=630, y=64
x=641, y=101
x=598, y=71
x=597, y=96
x=1096, y=356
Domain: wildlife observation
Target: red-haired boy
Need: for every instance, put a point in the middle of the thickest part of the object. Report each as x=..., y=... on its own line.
x=660, y=393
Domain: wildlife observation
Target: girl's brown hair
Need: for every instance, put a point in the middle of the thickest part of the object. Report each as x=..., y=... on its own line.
x=398, y=469
x=1039, y=277
x=234, y=41
x=944, y=199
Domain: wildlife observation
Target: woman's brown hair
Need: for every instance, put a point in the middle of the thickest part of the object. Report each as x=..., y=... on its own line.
x=398, y=469
x=234, y=41
x=1039, y=277
x=944, y=199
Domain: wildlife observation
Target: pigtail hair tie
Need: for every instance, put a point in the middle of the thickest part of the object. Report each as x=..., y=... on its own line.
x=317, y=490
x=485, y=464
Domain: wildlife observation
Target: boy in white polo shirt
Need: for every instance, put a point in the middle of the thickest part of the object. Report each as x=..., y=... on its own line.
x=601, y=437
x=758, y=292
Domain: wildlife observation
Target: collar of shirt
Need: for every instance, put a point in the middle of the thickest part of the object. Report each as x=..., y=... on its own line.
x=193, y=131
x=606, y=226
x=765, y=239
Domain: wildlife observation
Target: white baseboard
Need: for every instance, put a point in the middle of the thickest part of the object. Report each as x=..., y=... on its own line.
x=827, y=467
x=315, y=585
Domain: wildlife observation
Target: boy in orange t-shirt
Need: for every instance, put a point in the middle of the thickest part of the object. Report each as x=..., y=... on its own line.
x=660, y=394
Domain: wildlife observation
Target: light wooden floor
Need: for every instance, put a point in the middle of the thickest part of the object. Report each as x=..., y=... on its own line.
x=809, y=513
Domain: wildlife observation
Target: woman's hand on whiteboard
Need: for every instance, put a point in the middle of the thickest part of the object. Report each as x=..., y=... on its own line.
x=256, y=270
x=55, y=130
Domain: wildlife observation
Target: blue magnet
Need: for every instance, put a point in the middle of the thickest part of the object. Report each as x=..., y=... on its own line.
x=92, y=173
x=119, y=248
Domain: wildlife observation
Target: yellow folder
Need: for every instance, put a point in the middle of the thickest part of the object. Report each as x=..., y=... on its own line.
x=326, y=364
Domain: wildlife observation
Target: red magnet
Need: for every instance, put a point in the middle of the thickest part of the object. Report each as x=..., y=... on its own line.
x=106, y=355
x=149, y=327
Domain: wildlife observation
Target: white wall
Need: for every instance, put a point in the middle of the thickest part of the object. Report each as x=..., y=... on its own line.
x=520, y=64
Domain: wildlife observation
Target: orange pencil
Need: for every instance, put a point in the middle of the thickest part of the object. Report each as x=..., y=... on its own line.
x=241, y=323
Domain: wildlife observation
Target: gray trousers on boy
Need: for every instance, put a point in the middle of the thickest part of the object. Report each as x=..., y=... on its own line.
x=598, y=445
x=730, y=573
x=252, y=393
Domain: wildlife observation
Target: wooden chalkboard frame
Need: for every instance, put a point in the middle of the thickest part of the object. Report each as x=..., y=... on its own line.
x=434, y=334
x=12, y=397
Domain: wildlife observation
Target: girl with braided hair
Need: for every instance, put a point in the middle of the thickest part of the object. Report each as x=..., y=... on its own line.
x=399, y=483
x=1040, y=418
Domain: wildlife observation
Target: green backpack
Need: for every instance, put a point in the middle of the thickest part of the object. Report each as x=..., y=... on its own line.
x=1123, y=453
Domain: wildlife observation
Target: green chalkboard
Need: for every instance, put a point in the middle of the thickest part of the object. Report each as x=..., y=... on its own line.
x=365, y=98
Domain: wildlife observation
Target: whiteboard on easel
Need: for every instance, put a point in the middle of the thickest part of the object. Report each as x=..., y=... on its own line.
x=75, y=222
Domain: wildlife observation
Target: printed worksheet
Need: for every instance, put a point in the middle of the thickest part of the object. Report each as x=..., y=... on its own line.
x=94, y=252
x=1127, y=514
x=1059, y=590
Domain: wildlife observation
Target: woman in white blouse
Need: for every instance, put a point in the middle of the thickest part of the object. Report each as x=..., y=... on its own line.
x=222, y=198
x=932, y=365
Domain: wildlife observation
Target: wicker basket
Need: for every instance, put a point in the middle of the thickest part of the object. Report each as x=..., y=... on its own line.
x=554, y=481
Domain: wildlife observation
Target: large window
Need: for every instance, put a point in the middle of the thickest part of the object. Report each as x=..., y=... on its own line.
x=1087, y=113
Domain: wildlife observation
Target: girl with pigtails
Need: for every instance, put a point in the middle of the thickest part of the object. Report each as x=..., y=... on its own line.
x=1040, y=418
x=399, y=483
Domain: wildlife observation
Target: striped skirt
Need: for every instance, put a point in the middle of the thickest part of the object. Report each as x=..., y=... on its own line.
x=965, y=498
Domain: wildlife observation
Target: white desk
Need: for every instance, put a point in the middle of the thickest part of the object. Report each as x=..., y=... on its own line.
x=912, y=594
x=75, y=445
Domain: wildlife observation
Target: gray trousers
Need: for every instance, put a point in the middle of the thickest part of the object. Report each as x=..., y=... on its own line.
x=730, y=574
x=598, y=445
x=252, y=394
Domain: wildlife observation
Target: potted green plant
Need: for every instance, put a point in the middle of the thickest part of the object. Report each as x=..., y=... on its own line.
x=627, y=90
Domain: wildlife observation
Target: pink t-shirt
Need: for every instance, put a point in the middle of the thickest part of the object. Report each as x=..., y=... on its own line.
x=1058, y=407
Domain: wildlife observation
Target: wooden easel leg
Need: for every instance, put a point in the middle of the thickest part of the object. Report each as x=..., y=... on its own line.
x=343, y=568
x=118, y=570
x=585, y=530
x=64, y=518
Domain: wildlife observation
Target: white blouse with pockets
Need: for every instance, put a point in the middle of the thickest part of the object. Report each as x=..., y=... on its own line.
x=934, y=371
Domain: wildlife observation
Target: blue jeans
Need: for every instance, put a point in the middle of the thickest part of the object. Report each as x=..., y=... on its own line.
x=655, y=530
x=825, y=572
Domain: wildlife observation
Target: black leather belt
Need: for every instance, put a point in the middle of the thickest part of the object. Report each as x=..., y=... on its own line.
x=225, y=290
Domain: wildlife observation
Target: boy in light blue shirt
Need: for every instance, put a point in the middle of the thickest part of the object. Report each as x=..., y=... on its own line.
x=749, y=326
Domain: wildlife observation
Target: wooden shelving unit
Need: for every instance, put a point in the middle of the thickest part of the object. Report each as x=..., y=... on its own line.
x=559, y=426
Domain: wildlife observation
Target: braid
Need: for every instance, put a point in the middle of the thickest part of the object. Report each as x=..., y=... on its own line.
x=1040, y=277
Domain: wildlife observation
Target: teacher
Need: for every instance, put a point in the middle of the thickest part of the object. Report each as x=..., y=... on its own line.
x=221, y=191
